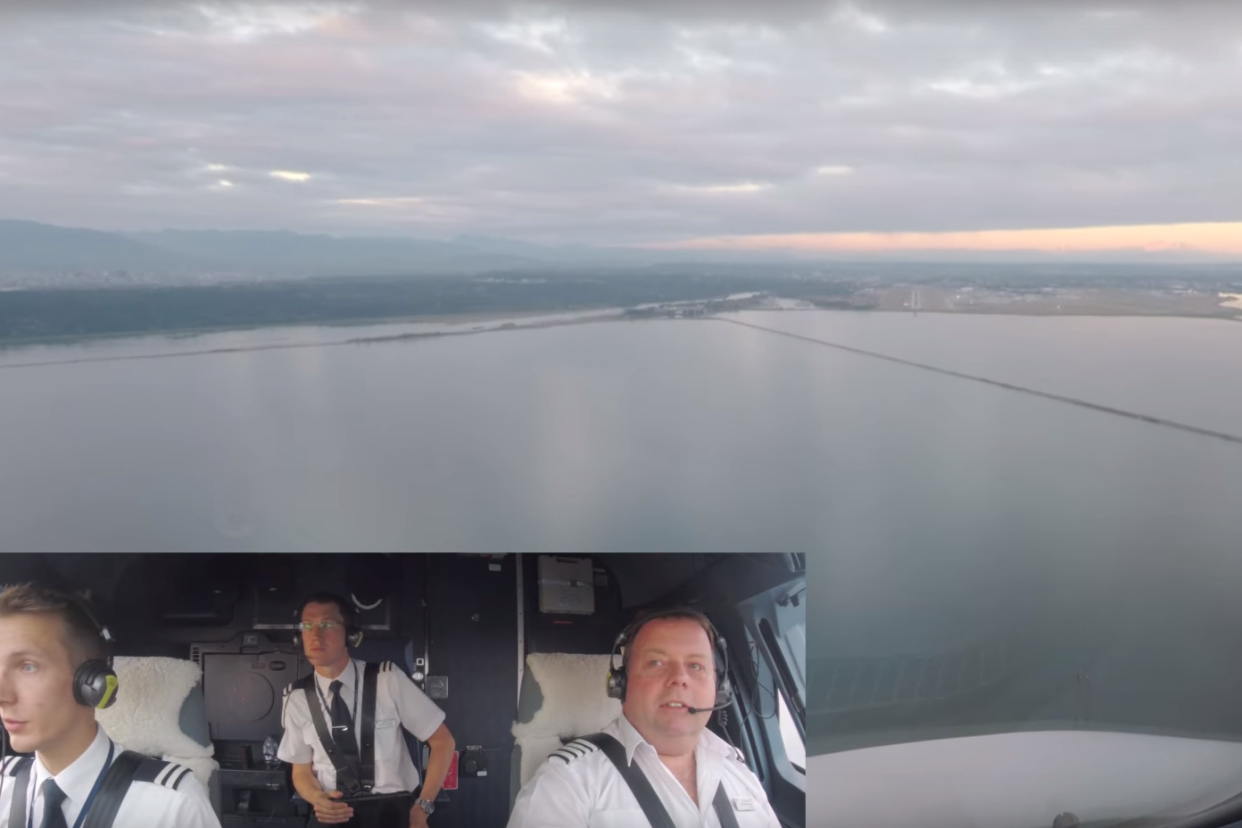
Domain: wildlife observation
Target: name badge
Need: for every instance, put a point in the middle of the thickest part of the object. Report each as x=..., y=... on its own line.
x=743, y=803
x=385, y=722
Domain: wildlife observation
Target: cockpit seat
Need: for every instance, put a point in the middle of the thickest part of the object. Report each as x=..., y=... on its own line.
x=160, y=711
x=562, y=696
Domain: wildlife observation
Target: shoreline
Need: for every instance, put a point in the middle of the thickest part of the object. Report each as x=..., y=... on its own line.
x=189, y=333
x=1095, y=313
x=290, y=346
x=485, y=323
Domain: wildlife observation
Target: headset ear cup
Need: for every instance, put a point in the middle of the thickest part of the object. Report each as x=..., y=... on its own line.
x=95, y=685
x=724, y=688
x=724, y=693
x=355, y=638
x=616, y=675
x=111, y=685
x=616, y=684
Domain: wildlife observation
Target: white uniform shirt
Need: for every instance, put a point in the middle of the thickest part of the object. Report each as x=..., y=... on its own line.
x=589, y=792
x=146, y=805
x=398, y=703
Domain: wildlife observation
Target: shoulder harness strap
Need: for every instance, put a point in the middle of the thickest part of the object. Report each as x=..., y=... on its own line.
x=19, y=768
x=321, y=726
x=370, y=681
x=647, y=798
x=12, y=764
x=128, y=768
x=115, y=785
x=400, y=674
x=724, y=809
x=370, y=692
x=640, y=786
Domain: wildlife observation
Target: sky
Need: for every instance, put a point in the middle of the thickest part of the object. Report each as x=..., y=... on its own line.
x=909, y=124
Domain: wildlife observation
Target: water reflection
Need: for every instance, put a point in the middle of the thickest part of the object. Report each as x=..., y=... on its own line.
x=943, y=519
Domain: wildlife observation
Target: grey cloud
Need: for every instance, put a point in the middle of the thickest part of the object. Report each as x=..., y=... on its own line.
x=953, y=115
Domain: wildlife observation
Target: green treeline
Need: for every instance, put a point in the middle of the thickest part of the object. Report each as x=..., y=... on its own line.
x=95, y=312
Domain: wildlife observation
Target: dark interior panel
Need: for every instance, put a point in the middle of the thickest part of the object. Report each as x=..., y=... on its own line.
x=449, y=621
x=473, y=607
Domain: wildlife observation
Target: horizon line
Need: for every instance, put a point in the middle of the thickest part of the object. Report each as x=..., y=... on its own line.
x=1221, y=241
x=1223, y=238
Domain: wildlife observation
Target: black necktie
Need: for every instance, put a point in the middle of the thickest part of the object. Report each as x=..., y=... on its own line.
x=343, y=725
x=53, y=797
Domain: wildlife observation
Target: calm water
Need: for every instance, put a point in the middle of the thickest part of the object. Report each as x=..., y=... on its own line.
x=940, y=514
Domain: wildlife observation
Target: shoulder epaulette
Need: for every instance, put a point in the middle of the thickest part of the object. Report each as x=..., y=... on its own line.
x=574, y=750
x=158, y=772
x=395, y=669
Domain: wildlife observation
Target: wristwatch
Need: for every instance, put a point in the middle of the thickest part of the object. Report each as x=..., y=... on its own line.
x=427, y=805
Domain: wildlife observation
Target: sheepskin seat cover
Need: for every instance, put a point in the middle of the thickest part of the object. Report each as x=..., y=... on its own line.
x=147, y=714
x=575, y=703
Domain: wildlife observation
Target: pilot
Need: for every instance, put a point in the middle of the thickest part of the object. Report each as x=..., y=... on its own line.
x=54, y=674
x=361, y=709
x=673, y=673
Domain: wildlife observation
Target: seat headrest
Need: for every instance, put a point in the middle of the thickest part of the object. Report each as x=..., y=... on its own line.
x=160, y=710
x=563, y=696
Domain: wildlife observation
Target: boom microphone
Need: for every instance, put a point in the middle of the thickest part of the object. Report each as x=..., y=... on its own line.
x=710, y=709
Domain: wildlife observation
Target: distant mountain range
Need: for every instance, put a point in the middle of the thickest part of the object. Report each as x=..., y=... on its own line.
x=30, y=247
x=27, y=246
x=299, y=254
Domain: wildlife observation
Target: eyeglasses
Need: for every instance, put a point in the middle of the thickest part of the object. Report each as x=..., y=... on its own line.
x=326, y=626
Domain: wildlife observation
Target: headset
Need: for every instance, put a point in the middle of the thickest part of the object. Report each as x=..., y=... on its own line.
x=94, y=682
x=353, y=633
x=616, y=673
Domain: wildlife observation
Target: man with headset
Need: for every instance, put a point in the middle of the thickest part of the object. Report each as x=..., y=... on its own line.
x=54, y=674
x=343, y=728
x=656, y=764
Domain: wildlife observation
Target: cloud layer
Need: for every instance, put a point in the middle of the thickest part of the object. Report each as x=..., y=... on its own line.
x=611, y=122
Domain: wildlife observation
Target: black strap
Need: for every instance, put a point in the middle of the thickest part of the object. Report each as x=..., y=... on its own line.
x=21, y=784
x=344, y=773
x=647, y=798
x=112, y=793
x=724, y=811
x=105, y=807
x=370, y=682
x=633, y=775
